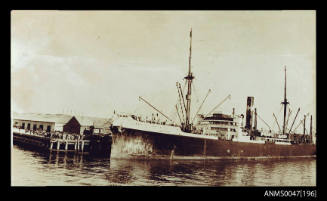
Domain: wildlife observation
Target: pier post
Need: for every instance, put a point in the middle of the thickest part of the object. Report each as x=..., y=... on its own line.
x=311, y=125
x=66, y=146
x=205, y=148
x=172, y=153
x=51, y=145
x=304, y=125
x=58, y=145
x=75, y=146
x=82, y=145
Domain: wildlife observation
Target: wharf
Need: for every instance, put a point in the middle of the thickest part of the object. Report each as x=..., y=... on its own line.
x=63, y=142
x=69, y=145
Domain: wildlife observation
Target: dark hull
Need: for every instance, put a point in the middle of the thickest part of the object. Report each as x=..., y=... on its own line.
x=157, y=144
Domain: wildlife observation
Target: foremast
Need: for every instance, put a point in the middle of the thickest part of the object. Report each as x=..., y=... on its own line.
x=285, y=103
x=189, y=78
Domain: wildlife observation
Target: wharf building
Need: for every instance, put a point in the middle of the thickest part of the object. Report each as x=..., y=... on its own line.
x=60, y=123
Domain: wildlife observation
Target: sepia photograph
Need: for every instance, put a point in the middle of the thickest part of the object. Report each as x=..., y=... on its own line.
x=163, y=98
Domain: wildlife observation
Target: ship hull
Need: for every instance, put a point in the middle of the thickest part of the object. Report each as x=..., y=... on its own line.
x=160, y=145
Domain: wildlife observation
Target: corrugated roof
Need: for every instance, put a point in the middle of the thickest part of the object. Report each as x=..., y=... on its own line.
x=56, y=118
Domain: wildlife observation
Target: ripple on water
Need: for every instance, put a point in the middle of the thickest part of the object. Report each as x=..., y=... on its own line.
x=31, y=168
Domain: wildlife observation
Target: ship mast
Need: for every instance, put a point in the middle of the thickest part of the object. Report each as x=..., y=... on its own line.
x=189, y=79
x=285, y=104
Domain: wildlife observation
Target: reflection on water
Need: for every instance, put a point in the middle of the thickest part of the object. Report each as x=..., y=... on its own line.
x=30, y=168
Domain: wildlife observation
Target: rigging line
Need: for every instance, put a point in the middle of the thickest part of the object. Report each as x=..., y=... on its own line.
x=184, y=87
x=279, y=113
x=277, y=122
x=274, y=124
x=297, y=126
x=228, y=97
x=264, y=122
x=177, y=101
x=195, y=92
x=140, y=98
x=181, y=102
x=180, y=120
x=281, y=107
x=288, y=117
x=306, y=130
x=197, y=112
x=181, y=97
x=182, y=92
x=294, y=120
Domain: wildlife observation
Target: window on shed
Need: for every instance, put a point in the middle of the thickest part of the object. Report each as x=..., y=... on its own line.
x=48, y=128
x=28, y=126
x=41, y=127
x=23, y=125
x=34, y=127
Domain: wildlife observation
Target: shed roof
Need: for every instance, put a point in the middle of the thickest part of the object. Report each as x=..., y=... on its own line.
x=97, y=122
x=56, y=118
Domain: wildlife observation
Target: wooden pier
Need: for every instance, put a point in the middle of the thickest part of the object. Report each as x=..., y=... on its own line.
x=69, y=145
x=95, y=144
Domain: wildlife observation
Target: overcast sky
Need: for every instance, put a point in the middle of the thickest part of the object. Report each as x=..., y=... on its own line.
x=95, y=62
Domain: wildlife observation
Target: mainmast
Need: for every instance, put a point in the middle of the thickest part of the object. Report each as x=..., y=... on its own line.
x=189, y=79
x=285, y=104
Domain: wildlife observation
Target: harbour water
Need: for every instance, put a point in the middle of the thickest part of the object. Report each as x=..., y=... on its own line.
x=31, y=168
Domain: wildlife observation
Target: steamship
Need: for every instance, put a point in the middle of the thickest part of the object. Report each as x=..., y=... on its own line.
x=214, y=135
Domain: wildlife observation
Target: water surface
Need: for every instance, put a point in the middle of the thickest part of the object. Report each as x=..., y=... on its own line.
x=31, y=168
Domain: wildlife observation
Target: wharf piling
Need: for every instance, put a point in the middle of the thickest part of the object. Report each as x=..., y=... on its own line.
x=95, y=144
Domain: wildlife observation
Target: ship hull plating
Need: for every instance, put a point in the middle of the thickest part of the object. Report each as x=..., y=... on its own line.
x=168, y=146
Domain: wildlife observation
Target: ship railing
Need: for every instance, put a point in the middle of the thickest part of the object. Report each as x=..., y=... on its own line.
x=157, y=123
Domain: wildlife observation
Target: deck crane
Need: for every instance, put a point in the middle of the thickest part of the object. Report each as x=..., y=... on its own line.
x=294, y=120
x=228, y=97
x=197, y=112
x=277, y=122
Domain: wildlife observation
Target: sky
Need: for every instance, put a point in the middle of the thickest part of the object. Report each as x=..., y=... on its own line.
x=95, y=62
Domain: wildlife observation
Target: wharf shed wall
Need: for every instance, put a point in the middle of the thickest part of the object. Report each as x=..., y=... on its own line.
x=29, y=124
x=72, y=126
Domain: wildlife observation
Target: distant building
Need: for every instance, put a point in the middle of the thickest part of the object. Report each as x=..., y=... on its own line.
x=46, y=122
x=99, y=125
x=61, y=122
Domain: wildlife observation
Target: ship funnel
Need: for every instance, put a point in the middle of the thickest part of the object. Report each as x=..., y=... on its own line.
x=249, y=113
